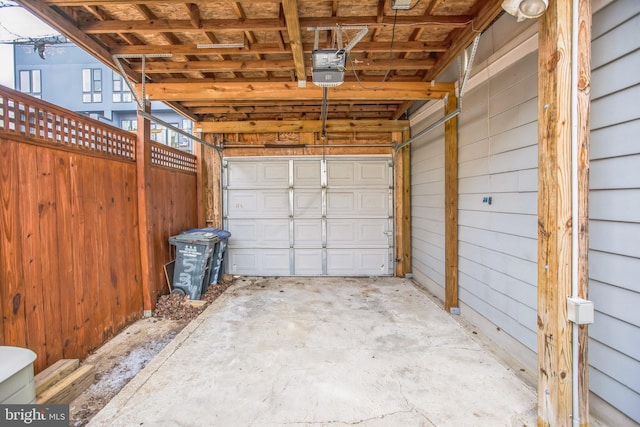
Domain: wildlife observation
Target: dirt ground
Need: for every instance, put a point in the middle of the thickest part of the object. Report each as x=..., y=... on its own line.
x=121, y=358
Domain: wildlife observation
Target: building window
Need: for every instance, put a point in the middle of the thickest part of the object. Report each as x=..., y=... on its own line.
x=131, y=125
x=30, y=82
x=91, y=85
x=121, y=91
x=184, y=143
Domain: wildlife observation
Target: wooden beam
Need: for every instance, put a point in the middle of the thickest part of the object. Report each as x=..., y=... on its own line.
x=194, y=14
x=272, y=65
x=403, y=203
x=277, y=48
x=178, y=25
x=70, y=387
x=143, y=178
x=293, y=27
x=114, y=2
x=405, y=254
x=303, y=126
x=401, y=109
x=212, y=199
x=451, y=205
x=265, y=91
x=584, y=134
x=555, y=211
x=54, y=373
x=184, y=25
x=215, y=66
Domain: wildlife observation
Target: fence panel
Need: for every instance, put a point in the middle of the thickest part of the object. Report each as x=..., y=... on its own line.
x=70, y=265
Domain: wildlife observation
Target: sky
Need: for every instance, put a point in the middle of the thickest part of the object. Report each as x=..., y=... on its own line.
x=16, y=22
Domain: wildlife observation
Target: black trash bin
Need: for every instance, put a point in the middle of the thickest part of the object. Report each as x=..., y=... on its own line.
x=193, y=262
x=216, y=265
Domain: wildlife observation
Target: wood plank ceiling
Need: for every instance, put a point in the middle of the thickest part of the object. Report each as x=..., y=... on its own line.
x=395, y=63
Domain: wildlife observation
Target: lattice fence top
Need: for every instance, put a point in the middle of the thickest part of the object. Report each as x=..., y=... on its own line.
x=41, y=121
x=162, y=155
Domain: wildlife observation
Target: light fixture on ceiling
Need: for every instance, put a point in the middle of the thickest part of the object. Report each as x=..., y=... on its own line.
x=525, y=9
x=401, y=5
x=220, y=45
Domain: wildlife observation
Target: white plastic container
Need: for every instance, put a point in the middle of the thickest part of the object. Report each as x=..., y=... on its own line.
x=17, y=385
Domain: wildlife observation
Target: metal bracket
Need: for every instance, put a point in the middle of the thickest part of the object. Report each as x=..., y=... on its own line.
x=338, y=32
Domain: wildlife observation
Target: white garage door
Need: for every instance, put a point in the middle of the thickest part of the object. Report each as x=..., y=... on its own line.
x=309, y=217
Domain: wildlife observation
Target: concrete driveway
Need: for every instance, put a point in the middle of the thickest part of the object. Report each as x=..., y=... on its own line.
x=323, y=351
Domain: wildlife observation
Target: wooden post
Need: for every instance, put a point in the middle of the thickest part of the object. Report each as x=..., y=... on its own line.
x=451, y=205
x=211, y=189
x=554, y=211
x=584, y=133
x=198, y=150
x=403, y=205
x=406, y=203
x=143, y=165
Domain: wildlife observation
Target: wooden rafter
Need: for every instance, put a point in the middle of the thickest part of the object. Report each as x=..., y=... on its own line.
x=304, y=126
x=293, y=27
x=277, y=91
x=276, y=48
x=182, y=25
x=273, y=65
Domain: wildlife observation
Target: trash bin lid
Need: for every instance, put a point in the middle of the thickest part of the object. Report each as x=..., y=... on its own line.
x=195, y=237
x=13, y=360
x=223, y=234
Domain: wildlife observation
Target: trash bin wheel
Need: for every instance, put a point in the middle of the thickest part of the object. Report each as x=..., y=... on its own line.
x=178, y=291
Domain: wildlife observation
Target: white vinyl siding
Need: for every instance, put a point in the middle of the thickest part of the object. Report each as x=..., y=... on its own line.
x=497, y=132
x=497, y=157
x=614, y=207
x=427, y=207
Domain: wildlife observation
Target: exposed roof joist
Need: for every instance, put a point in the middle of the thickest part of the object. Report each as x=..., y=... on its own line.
x=387, y=71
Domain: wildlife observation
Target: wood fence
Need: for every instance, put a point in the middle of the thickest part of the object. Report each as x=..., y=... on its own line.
x=70, y=263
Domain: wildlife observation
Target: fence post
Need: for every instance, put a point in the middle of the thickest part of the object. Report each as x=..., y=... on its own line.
x=143, y=167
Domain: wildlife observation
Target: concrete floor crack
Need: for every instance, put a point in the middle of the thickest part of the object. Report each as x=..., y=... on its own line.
x=412, y=407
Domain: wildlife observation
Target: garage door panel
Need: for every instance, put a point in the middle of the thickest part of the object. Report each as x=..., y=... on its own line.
x=270, y=262
x=307, y=203
x=258, y=174
x=365, y=262
x=357, y=203
x=355, y=233
x=262, y=233
x=308, y=262
x=284, y=222
x=307, y=233
x=258, y=204
x=306, y=173
x=358, y=173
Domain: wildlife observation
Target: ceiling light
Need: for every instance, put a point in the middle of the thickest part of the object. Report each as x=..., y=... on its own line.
x=525, y=9
x=219, y=45
x=401, y=5
x=533, y=8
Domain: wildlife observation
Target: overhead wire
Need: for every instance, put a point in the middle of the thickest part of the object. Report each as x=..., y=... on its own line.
x=386, y=75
